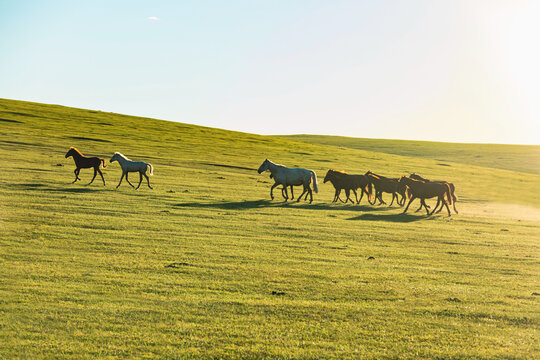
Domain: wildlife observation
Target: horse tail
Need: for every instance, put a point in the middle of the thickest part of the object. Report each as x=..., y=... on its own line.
x=151, y=169
x=103, y=162
x=453, y=192
x=314, y=176
x=448, y=193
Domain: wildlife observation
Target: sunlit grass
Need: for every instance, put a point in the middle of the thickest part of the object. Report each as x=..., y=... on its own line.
x=206, y=266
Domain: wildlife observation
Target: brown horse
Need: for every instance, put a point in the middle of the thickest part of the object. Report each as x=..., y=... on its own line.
x=426, y=190
x=387, y=185
x=83, y=162
x=452, y=189
x=343, y=181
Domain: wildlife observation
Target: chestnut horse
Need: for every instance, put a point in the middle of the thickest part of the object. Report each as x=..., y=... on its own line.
x=387, y=185
x=427, y=190
x=83, y=162
x=452, y=189
x=290, y=176
x=343, y=181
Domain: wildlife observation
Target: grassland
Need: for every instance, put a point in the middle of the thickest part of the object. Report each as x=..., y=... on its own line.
x=206, y=266
x=520, y=158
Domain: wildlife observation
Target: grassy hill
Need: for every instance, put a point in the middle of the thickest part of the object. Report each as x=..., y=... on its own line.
x=522, y=158
x=206, y=266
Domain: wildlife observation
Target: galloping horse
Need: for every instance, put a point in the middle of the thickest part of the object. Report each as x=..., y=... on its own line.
x=83, y=162
x=452, y=189
x=290, y=176
x=384, y=184
x=343, y=181
x=426, y=190
x=132, y=166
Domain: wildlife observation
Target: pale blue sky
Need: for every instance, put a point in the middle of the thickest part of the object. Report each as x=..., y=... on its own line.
x=464, y=71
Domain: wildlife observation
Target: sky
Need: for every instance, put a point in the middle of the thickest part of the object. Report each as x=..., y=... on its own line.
x=447, y=70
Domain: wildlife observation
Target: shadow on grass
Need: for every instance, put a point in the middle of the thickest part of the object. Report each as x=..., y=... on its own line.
x=399, y=218
x=257, y=204
x=44, y=187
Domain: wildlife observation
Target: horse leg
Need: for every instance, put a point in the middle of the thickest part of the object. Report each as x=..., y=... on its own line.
x=121, y=178
x=447, y=208
x=284, y=191
x=355, y=196
x=128, y=180
x=409, y=204
x=310, y=194
x=393, y=197
x=381, y=201
x=302, y=194
x=102, y=178
x=348, y=194
x=140, y=180
x=336, y=195
x=435, y=208
x=374, y=199
x=76, y=174
x=339, y=197
x=95, y=173
x=349, y=198
x=272, y=189
x=292, y=193
x=361, y=196
x=148, y=180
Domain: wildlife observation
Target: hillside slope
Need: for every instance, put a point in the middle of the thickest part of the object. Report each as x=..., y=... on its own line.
x=521, y=158
x=206, y=266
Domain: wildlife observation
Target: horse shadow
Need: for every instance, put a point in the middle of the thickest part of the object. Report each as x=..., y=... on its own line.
x=44, y=187
x=397, y=218
x=257, y=204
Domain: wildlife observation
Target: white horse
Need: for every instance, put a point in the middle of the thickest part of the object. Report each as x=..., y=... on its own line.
x=290, y=176
x=132, y=166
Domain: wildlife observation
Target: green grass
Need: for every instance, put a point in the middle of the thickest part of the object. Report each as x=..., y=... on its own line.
x=521, y=158
x=206, y=266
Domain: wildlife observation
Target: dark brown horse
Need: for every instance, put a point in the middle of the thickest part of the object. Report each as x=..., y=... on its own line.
x=343, y=181
x=387, y=185
x=83, y=162
x=452, y=189
x=426, y=190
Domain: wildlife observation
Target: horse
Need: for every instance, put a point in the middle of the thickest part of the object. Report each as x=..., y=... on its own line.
x=343, y=181
x=290, y=176
x=452, y=189
x=83, y=162
x=427, y=190
x=128, y=166
x=384, y=184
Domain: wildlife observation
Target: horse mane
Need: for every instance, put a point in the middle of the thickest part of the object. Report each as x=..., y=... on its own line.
x=77, y=151
x=338, y=172
x=418, y=177
x=121, y=155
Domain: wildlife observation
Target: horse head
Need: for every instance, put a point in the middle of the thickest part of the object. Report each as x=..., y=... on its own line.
x=114, y=157
x=264, y=166
x=72, y=151
x=329, y=175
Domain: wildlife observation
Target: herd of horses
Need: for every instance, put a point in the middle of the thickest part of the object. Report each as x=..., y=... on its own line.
x=408, y=187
